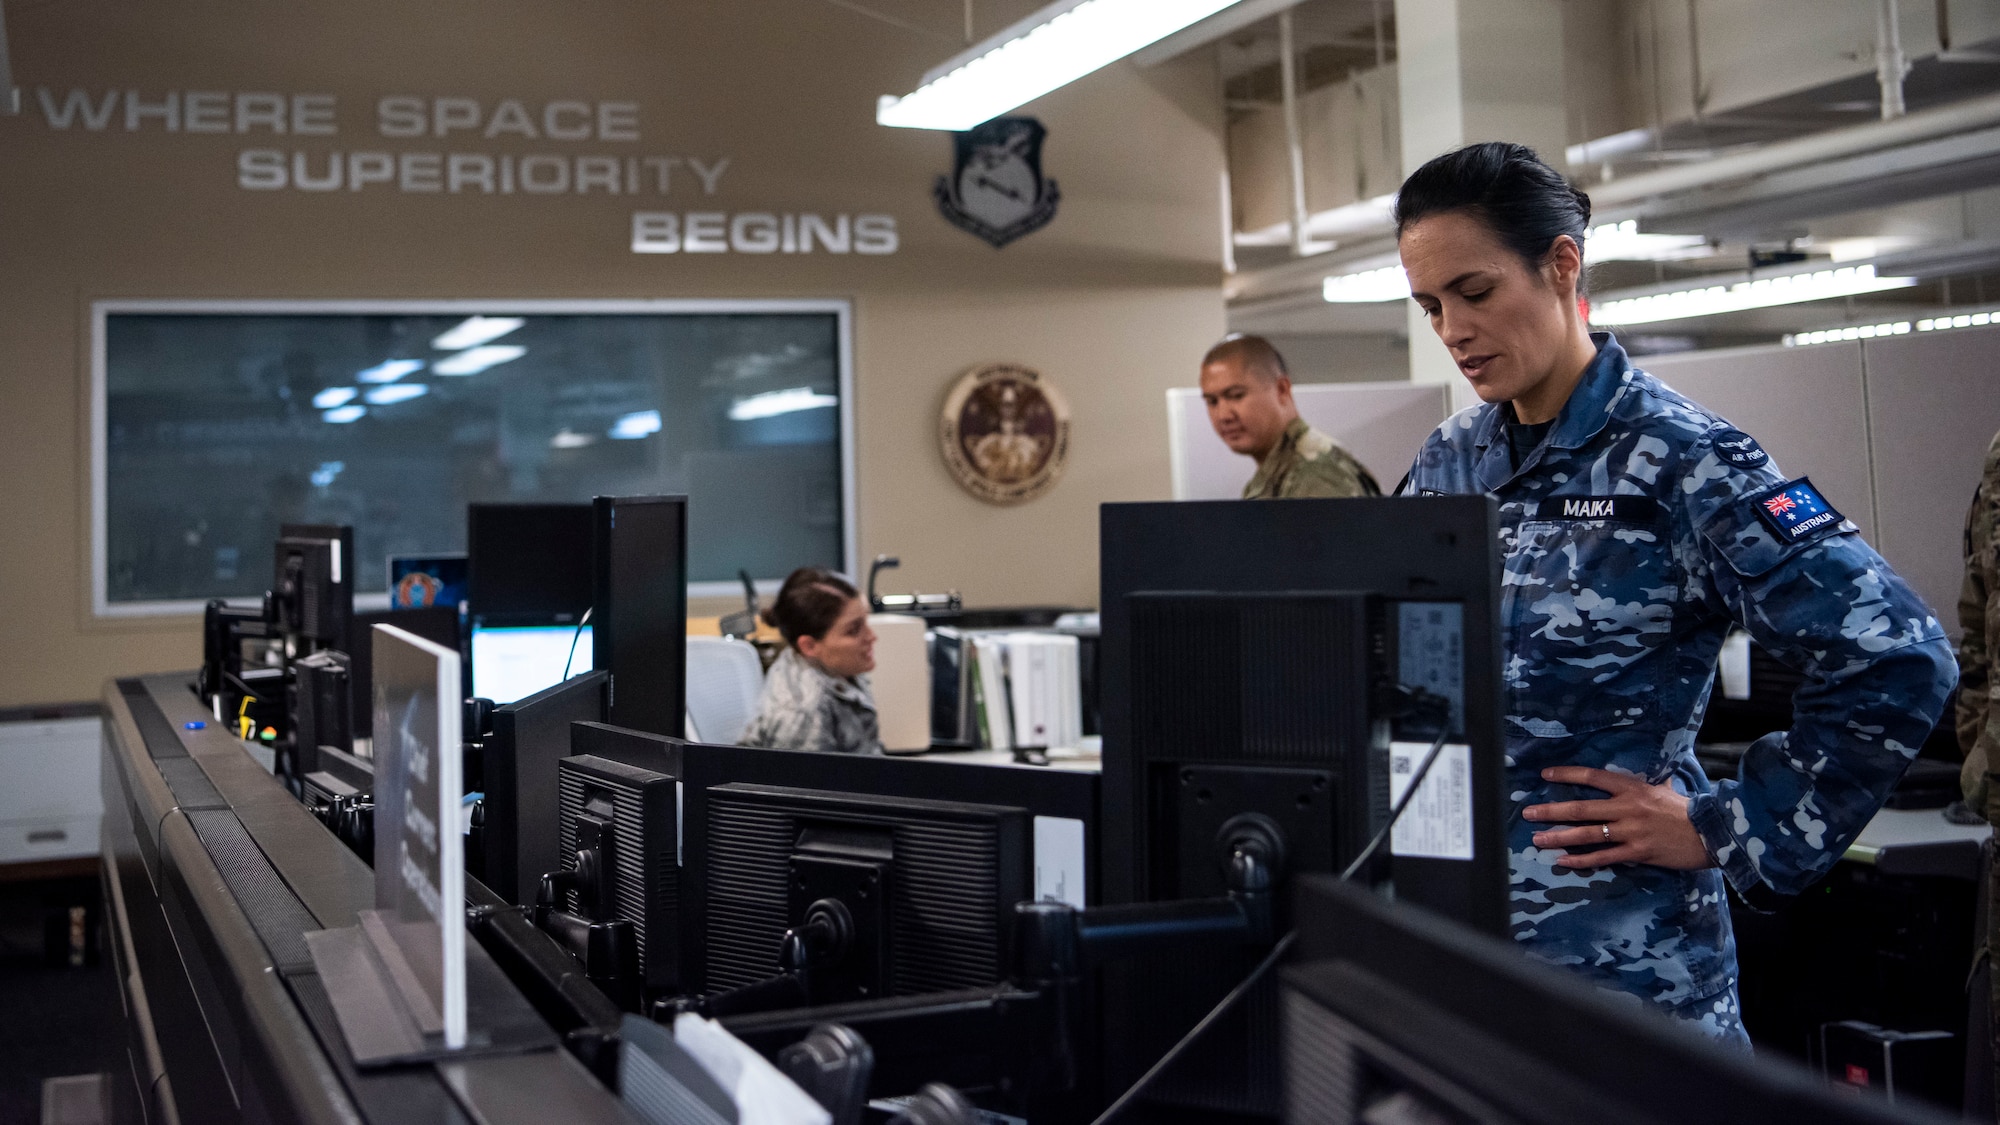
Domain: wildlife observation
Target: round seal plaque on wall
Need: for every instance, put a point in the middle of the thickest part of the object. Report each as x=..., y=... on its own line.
x=1005, y=433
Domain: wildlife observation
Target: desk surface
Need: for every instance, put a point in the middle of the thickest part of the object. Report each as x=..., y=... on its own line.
x=1920, y=842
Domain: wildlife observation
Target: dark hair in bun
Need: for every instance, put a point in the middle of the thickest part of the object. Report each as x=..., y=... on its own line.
x=1524, y=202
x=809, y=603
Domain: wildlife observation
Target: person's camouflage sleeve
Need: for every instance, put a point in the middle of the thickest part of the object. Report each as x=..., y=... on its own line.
x=804, y=708
x=1877, y=671
x=1307, y=463
x=1978, y=714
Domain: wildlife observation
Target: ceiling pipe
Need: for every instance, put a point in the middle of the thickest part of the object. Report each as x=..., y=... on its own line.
x=1288, y=79
x=1890, y=65
x=10, y=95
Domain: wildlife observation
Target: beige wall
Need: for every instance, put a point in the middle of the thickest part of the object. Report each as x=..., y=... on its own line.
x=1112, y=301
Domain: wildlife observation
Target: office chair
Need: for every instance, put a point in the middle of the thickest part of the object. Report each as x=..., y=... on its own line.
x=724, y=679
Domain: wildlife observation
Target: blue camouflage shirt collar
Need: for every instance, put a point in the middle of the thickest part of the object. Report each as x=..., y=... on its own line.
x=1583, y=416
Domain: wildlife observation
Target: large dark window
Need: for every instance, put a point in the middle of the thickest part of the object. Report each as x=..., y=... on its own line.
x=218, y=423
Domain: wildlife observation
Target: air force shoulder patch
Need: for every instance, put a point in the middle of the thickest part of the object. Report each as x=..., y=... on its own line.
x=1796, y=511
x=1740, y=449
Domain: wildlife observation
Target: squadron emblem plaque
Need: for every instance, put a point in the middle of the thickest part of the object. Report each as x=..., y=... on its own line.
x=1005, y=433
x=996, y=189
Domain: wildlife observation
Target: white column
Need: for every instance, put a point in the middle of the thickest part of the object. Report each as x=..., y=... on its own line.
x=1468, y=71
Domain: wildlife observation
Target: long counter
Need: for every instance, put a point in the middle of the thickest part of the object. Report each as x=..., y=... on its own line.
x=213, y=875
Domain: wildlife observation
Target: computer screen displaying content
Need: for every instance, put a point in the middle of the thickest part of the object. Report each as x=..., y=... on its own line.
x=514, y=662
x=422, y=581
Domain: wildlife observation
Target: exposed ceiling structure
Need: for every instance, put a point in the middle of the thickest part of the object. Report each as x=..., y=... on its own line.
x=1763, y=148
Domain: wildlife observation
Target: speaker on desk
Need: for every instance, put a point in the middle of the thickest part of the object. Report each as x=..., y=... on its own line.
x=901, y=682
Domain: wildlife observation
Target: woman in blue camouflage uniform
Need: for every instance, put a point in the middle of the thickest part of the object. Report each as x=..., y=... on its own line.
x=1636, y=528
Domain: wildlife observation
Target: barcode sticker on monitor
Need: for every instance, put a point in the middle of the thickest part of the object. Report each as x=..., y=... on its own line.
x=1438, y=823
x=1059, y=860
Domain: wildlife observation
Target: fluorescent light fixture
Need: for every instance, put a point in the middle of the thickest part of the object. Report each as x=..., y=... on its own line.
x=570, y=439
x=332, y=397
x=1762, y=293
x=773, y=403
x=1962, y=320
x=398, y=392
x=476, y=330
x=341, y=415
x=323, y=476
x=1050, y=49
x=1622, y=242
x=390, y=370
x=1367, y=218
x=1851, y=332
x=472, y=361
x=636, y=425
x=1386, y=284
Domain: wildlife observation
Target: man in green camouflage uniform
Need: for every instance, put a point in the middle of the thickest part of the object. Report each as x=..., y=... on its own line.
x=1978, y=694
x=1248, y=391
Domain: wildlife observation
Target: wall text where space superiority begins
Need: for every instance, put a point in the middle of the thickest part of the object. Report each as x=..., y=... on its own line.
x=587, y=146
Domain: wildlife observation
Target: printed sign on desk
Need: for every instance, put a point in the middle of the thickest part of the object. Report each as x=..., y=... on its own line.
x=419, y=851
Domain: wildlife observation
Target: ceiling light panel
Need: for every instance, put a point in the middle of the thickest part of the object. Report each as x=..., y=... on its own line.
x=1764, y=292
x=472, y=361
x=1050, y=49
x=390, y=370
x=1389, y=283
x=476, y=330
x=774, y=403
x=341, y=415
x=396, y=392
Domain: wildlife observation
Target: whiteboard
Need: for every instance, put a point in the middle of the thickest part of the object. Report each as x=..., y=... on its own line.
x=1382, y=424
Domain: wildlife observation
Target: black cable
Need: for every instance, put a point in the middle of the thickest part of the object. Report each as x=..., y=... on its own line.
x=573, y=638
x=1277, y=951
x=1235, y=996
x=1409, y=795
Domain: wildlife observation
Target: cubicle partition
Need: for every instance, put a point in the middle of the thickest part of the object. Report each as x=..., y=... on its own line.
x=1892, y=429
x=1382, y=424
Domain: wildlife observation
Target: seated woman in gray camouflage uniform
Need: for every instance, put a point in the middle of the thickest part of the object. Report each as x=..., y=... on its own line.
x=816, y=694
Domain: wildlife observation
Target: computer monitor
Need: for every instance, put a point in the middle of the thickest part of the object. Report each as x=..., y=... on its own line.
x=423, y=581
x=512, y=661
x=528, y=559
x=312, y=586
x=952, y=848
x=619, y=795
x=639, y=609
x=1395, y=1013
x=436, y=624
x=1258, y=647
x=1289, y=664
x=518, y=763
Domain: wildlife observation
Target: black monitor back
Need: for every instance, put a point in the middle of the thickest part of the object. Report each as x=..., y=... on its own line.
x=437, y=624
x=317, y=562
x=639, y=609
x=637, y=800
x=519, y=762
x=530, y=561
x=1067, y=798
x=1294, y=557
x=1388, y=1001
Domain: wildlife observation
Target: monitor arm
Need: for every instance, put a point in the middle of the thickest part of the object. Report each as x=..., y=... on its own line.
x=1025, y=1037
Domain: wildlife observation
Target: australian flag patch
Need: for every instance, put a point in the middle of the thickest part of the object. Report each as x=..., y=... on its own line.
x=1796, y=510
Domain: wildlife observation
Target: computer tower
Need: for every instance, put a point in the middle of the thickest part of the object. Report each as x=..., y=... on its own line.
x=322, y=708
x=629, y=816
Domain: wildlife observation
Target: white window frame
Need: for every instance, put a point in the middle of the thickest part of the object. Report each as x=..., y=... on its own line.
x=101, y=311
